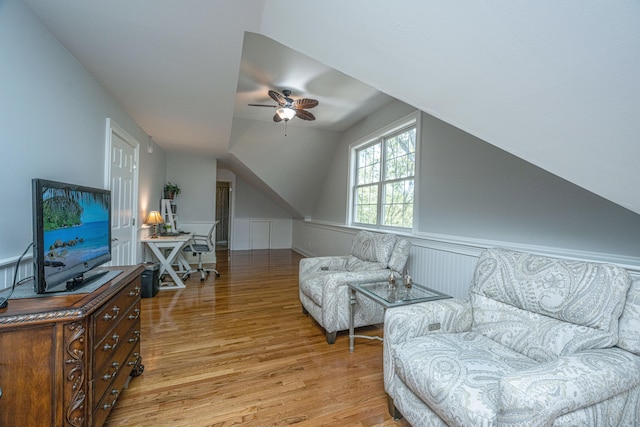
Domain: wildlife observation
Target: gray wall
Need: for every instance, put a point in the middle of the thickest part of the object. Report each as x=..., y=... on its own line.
x=251, y=203
x=302, y=154
x=471, y=189
x=52, y=124
x=196, y=177
x=474, y=189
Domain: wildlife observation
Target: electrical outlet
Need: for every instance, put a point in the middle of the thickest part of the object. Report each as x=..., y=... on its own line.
x=434, y=326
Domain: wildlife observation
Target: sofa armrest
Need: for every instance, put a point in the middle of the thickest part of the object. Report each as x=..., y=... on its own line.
x=343, y=278
x=315, y=264
x=407, y=322
x=537, y=396
x=330, y=291
x=335, y=296
x=415, y=320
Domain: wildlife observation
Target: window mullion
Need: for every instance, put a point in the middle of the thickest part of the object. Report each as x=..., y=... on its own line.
x=383, y=179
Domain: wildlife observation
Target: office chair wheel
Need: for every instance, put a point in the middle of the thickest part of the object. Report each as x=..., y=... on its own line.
x=185, y=276
x=217, y=274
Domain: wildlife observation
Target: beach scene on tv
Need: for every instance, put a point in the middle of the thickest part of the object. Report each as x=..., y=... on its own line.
x=76, y=227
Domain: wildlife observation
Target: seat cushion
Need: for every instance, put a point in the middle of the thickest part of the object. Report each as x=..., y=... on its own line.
x=457, y=375
x=534, y=335
x=196, y=248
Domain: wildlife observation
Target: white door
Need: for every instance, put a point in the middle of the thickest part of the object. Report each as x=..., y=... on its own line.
x=123, y=178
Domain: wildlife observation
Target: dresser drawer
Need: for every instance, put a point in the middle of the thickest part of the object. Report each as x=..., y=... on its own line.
x=119, y=341
x=124, y=360
x=108, y=401
x=113, y=311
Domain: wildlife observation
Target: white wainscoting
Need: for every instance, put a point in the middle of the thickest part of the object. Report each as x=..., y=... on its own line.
x=445, y=271
x=261, y=233
x=441, y=262
x=445, y=263
x=8, y=268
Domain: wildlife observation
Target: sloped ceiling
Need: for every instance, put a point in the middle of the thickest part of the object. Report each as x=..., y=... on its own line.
x=553, y=82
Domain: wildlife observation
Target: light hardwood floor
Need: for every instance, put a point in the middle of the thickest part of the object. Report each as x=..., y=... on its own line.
x=237, y=350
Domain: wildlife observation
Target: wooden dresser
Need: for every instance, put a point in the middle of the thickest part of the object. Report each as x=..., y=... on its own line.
x=64, y=359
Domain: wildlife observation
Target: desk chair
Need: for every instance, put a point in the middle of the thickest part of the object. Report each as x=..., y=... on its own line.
x=201, y=244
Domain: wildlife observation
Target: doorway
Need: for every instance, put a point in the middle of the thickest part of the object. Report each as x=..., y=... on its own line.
x=223, y=213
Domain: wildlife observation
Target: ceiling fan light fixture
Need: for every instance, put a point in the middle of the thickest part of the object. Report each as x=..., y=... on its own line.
x=286, y=113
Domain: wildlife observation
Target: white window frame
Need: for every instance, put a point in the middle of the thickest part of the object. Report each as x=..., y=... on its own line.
x=373, y=138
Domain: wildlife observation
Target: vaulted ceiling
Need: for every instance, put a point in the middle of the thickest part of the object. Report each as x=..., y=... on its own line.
x=553, y=82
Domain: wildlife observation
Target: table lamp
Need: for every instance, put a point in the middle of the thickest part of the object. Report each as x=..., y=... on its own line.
x=154, y=218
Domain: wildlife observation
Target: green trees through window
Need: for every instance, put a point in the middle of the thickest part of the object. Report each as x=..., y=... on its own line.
x=383, y=194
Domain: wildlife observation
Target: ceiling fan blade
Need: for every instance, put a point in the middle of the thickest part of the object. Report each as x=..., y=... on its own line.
x=277, y=118
x=305, y=103
x=304, y=115
x=262, y=105
x=277, y=97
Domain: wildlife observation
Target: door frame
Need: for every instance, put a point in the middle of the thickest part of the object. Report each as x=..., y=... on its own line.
x=224, y=175
x=112, y=128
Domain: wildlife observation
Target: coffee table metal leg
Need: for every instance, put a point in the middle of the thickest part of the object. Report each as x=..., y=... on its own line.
x=352, y=303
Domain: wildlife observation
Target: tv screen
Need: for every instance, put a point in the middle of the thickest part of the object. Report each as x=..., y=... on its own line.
x=71, y=234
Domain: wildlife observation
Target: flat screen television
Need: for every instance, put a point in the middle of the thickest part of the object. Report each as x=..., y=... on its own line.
x=71, y=234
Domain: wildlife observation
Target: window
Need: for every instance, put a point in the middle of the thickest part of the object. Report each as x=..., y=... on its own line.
x=384, y=179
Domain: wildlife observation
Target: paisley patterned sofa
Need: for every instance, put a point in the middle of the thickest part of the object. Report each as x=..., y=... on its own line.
x=539, y=342
x=323, y=280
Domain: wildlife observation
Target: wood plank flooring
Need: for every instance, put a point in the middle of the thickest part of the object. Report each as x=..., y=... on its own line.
x=237, y=350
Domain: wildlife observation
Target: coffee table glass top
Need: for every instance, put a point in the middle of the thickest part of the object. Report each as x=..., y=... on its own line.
x=393, y=296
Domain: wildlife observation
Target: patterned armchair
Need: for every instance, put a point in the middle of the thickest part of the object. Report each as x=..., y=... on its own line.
x=539, y=342
x=323, y=280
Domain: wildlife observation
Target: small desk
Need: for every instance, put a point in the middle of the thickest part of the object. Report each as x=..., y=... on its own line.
x=388, y=296
x=175, y=245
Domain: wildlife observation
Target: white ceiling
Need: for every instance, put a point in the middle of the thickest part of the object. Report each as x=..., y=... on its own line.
x=174, y=67
x=552, y=81
x=267, y=64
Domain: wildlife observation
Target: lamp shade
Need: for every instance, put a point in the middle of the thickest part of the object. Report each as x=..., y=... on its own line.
x=154, y=218
x=286, y=113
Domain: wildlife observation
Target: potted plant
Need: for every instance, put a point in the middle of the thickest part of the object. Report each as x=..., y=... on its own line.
x=171, y=190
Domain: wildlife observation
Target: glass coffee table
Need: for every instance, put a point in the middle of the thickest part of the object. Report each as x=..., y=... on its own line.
x=388, y=296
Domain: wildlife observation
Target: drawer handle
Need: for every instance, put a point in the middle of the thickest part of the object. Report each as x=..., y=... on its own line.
x=136, y=338
x=136, y=356
x=136, y=315
x=108, y=347
x=107, y=406
x=108, y=317
x=115, y=366
x=135, y=292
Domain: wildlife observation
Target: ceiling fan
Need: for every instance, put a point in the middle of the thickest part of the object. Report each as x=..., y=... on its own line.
x=288, y=108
